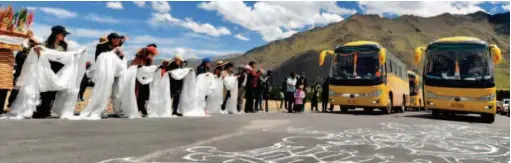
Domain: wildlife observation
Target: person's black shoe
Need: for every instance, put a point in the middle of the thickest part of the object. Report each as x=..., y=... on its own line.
x=41, y=116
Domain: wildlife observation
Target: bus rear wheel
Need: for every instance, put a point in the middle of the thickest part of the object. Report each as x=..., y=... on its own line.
x=436, y=113
x=344, y=109
x=488, y=118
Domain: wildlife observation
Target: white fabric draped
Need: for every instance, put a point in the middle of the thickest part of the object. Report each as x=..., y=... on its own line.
x=231, y=84
x=215, y=98
x=104, y=73
x=159, y=103
x=37, y=76
x=193, y=94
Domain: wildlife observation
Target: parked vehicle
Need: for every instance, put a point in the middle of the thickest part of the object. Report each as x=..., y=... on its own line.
x=499, y=106
x=505, y=107
x=455, y=76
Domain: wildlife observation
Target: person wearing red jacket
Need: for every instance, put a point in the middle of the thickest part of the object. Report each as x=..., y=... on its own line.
x=252, y=81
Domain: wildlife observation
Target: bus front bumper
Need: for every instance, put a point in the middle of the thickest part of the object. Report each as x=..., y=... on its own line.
x=462, y=106
x=375, y=102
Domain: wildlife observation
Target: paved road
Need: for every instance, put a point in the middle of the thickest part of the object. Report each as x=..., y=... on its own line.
x=262, y=137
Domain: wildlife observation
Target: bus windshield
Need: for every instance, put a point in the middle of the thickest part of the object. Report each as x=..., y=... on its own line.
x=459, y=62
x=356, y=63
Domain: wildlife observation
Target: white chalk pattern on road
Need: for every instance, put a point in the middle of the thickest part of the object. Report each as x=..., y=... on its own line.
x=414, y=143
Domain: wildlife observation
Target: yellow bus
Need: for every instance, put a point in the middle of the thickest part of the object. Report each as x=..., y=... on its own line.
x=364, y=75
x=415, y=84
x=459, y=76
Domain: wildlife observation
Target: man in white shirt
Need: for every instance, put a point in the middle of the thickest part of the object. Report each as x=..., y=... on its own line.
x=291, y=88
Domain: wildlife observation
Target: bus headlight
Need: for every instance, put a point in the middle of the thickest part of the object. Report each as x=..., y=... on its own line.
x=430, y=95
x=490, y=97
x=375, y=93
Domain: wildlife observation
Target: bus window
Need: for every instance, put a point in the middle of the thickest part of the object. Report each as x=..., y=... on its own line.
x=391, y=69
x=400, y=72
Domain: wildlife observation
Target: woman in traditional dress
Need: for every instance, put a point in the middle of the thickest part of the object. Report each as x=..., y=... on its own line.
x=55, y=41
x=143, y=58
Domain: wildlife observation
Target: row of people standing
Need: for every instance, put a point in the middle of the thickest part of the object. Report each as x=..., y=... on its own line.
x=291, y=93
x=254, y=86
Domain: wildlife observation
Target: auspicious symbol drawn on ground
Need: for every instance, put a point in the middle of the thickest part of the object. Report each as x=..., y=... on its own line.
x=391, y=143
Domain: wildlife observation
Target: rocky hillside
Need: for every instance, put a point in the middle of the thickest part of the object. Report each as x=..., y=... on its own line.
x=399, y=35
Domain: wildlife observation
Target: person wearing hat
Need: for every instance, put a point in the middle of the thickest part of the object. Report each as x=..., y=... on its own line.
x=204, y=66
x=19, y=60
x=114, y=41
x=55, y=41
x=219, y=68
x=144, y=57
x=176, y=86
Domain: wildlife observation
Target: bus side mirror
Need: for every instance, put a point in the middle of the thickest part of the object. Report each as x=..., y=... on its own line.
x=323, y=54
x=418, y=55
x=495, y=52
x=382, y=56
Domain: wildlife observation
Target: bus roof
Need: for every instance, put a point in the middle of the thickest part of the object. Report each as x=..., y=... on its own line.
x=358, y=43
x=459, y=39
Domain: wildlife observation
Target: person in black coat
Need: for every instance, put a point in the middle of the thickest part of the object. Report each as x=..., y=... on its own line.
x=55, y=41
x=204, y=66
x=114, y=40
x=242, y=77
x=176, y=86
x=324, y=95
x=19, y=60
x=84, y=83
x=315, y=96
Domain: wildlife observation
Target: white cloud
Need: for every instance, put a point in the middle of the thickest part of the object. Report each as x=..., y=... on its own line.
x=140, y=4
x=420, y=8
x=59, y=12
x=101, y=19
x=160, y=6
x=161, y=19
x=204, y=28
x=88, y=33
x=241, y=37
x=505, y=7
x=114, y=5
x=146, y=39
x=276, y=20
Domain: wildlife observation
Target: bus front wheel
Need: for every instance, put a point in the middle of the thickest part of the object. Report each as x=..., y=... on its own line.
x=388, y=109
x=488, y=118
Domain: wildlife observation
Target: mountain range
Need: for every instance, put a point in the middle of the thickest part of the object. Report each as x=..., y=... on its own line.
x=400, y=35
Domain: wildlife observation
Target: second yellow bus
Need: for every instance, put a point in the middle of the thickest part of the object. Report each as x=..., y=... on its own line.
x=364, y=75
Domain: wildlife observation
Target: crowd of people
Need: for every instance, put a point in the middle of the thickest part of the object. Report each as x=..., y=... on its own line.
x=293, y=94
x=143, y=85
x=121, y=85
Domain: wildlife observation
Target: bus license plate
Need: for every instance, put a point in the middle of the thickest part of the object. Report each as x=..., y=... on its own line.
x=457, y=105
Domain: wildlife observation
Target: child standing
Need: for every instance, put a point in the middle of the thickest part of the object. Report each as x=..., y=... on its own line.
x=299, y=96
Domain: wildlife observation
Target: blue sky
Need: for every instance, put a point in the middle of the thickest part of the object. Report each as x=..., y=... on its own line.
x=199, y=29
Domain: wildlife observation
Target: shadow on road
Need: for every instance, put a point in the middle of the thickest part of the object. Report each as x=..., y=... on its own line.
x=357, y=112
x=457, y=117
